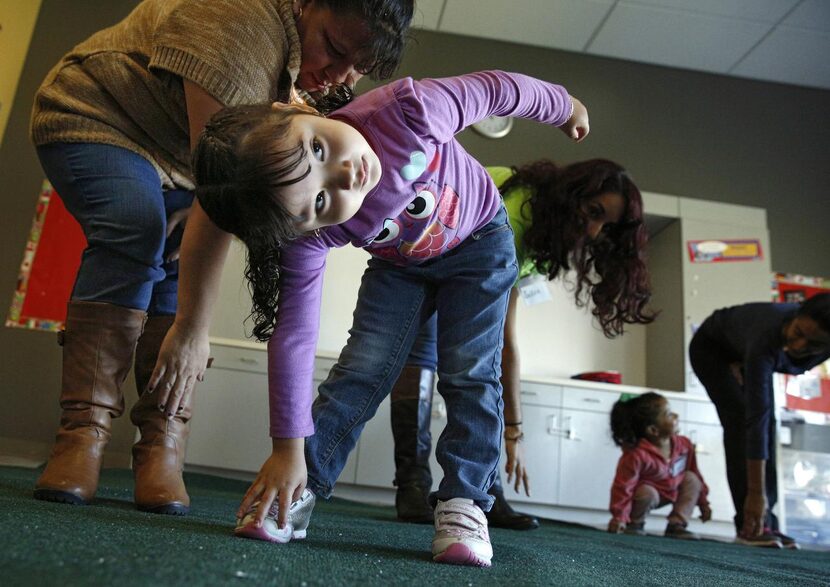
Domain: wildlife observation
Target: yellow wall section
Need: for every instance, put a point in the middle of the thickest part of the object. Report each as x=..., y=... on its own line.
x=17, y=22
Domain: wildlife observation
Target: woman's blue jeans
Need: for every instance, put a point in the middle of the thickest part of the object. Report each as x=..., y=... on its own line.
x=117, y=198
x=469, y=288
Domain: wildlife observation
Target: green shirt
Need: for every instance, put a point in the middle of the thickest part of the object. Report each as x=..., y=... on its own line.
x=518, y=215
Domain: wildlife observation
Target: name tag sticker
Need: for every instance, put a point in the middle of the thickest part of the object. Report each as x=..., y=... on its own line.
x=534, y=290
x=678, y=466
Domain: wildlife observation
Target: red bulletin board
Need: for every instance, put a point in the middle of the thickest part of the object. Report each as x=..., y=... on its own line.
x=50, y=262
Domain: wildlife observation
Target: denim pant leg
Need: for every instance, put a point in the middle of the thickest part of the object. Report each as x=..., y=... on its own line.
x=386, y=320
x=474, y=284
x=117, y=198
x=424, y=351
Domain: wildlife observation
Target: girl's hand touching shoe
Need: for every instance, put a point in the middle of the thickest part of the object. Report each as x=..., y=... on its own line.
x=282, y=478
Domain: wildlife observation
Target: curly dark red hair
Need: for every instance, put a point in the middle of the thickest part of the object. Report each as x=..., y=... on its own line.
x=611, y=270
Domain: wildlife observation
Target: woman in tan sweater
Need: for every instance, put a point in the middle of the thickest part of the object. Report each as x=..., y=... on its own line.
x=114, y=123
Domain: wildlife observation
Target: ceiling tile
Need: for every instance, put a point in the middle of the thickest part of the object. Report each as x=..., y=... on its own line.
x=790, y=55
x=811, y=14
x=427, y=13
x=559, y=24
x=676, y=38
x=769, y=11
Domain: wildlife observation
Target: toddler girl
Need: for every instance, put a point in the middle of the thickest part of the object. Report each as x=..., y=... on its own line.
x=384, y=173
x=657, y=467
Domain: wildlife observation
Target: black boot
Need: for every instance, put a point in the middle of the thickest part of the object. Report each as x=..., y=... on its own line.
x=411, y=404
x=501, y=515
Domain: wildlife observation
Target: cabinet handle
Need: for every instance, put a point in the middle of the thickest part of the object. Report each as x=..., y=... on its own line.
x=248, y=361
x=552, y=429
x=569, y=431
x=529, y=393
x=591, y=400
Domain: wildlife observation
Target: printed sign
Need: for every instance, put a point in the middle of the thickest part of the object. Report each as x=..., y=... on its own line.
x=534, y=289
x=724, y=250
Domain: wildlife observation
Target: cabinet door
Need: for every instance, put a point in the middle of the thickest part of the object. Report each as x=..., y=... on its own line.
x=588, y=460
x=711, y=461
x=542, y=430
x=229, y=428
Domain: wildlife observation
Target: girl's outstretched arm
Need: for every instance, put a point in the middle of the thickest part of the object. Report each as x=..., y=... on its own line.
x=449, y=105
x=282, y=478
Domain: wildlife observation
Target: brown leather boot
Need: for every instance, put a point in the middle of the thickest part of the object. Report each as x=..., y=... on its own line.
x=411, y=404
x=98, y=345
x=158, y=457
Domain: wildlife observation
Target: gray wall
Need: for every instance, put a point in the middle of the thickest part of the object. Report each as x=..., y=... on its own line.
x=678, y=132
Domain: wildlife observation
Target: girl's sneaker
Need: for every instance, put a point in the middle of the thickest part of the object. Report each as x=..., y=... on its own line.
x=461, y=536
x=296, y=524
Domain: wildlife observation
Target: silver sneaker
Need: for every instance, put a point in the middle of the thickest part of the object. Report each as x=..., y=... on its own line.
x=461, y=536
x=296, y=524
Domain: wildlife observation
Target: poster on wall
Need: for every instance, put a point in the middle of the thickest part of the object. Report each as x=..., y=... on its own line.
x=51, y=259
x=724, y=250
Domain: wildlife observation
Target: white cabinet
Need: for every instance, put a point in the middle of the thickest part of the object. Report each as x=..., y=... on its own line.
x=588, y=460
x=542, y=427
x=229, y=428
x=703, y=428
x=541, y=449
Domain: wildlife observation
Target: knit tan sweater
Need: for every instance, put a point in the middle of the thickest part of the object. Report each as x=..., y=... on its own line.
x=123, y=85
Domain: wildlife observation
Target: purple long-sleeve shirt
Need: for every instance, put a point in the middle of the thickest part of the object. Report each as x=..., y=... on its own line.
x=431, y=196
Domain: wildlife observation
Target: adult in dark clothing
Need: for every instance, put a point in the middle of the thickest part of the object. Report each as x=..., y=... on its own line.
x=734, y=354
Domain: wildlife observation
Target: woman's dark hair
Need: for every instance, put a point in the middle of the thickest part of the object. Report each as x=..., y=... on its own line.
x=610, y=270
x=239, y=168
x=817, y=308
x=388, y=22
x=631, y=417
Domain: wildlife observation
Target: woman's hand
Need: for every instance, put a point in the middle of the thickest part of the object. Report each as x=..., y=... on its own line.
x=515, y=465
x=282, y=477
x=615, y=526
x=705, y=512
x=182, y=361
x=755, y=513
x=577, y=126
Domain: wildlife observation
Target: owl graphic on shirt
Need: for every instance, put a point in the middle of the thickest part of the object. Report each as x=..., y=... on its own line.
x=426, y=228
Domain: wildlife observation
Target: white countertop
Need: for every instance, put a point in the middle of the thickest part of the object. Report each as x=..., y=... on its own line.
x=562, y=381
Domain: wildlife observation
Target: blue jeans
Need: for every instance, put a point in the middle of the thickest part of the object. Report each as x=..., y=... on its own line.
x=469, y=288
x=117, y=198
x=424, y=352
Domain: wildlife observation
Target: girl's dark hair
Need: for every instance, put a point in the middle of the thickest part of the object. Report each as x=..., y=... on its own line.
x=240, y=165
x=610, y=270
x=817, y=308
x=388, y=22
x=631, y=417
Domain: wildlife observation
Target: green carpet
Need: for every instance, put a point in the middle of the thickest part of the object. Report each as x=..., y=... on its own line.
x=110, y=543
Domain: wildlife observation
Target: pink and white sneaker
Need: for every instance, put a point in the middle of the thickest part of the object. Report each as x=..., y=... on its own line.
x=296, y=525
x=461, y=536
